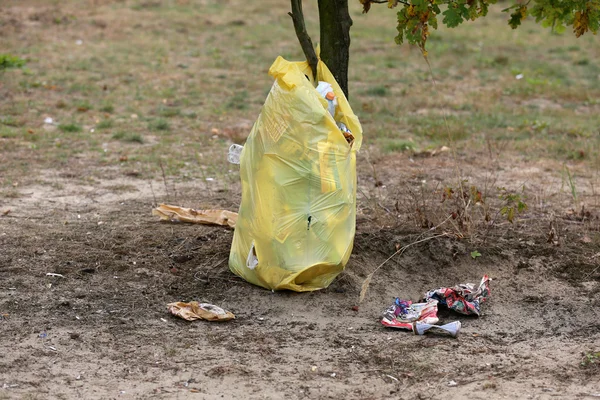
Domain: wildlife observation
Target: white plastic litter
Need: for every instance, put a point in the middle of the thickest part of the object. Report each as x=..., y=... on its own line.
x=326, y=91
x=235, y=151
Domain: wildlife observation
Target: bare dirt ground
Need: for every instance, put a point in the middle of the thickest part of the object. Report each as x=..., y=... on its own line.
x=103, y=331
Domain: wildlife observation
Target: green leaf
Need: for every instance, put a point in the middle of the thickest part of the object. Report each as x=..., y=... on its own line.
x=433, y=21
x=452, y=17
x=475, y=254
x=515, y=20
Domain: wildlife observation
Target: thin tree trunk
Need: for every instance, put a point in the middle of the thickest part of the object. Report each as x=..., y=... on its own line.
x=335, y=23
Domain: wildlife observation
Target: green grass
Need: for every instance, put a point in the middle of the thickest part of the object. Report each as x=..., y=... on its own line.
x=379, y=91
x=129, y=137
x=159, y=125
x=165, y=81
x=70, y=128
x=105, y=124
x=83, y=106
x=239, y=101
x=107, y=108
x=397, y=145
x=169, y=112
x=8, y=61
x=10, y=120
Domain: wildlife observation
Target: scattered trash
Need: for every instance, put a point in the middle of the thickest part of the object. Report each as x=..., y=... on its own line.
x=452, y=383
x=346, y=132
x=462, y=298
x=403, y=313
x=393, y=377
x=235, y=151
x=519, y=76
x=298, y=176
x=326, y=91
x=79, y=42
x=586, y=239
x=53, y=274
x=3, y=317
x=453, y=328
x=313, y=368
x=48, y=120
x=163, y=320
x=417, y=317
x=7, y=386
x=193, y=310
x=180, y=214
x=432, y=152
x=333, y=375
x=43, y=335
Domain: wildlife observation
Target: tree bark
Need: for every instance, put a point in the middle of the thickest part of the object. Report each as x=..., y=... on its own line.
x=335, y=23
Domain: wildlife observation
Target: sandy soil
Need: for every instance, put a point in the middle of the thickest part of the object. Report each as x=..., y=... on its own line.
x=103, y=331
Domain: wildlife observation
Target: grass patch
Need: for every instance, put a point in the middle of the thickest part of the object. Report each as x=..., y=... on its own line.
x=10, y=121
x=159, y=125
x=129, y=137
x=169, y=112
x=239, y=101
x=83, y=106
x=105, y=124
x=107, y=108
x=8, y=61
x=396, y=146
x=590, y=362
x=70, y=128
x=377, y=91
x=8, y=133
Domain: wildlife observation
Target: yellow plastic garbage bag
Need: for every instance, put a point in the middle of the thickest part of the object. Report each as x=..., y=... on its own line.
x=296, y=222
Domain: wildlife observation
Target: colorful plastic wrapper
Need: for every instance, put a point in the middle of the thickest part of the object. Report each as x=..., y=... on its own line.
x=463, y=298
x=452, y=328
x=403, y=313
x=297, y=218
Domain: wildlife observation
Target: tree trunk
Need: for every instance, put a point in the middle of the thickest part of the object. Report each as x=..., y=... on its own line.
x=335, y=23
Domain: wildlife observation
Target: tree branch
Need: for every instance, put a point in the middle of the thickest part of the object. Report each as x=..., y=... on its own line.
x=302, y=35
x=386, y=1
